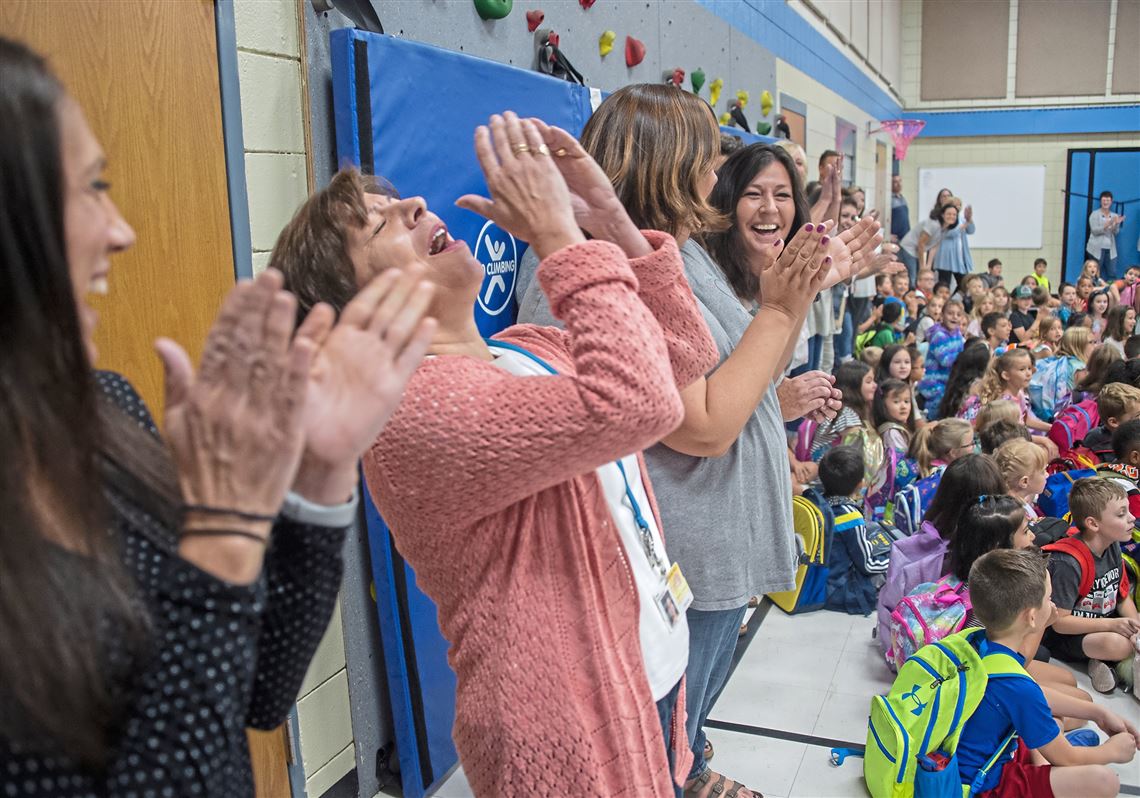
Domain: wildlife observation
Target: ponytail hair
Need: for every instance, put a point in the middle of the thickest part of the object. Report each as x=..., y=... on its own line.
x=986, y=524
x=936, y=441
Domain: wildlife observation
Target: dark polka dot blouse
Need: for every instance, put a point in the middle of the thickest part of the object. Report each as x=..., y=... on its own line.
x=220, y=658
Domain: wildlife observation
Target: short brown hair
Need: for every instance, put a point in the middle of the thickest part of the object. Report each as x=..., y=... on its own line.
x=656, y=143
x=312, y=251
x=1115, y=398
x=1004, y=582
x=1090, y=496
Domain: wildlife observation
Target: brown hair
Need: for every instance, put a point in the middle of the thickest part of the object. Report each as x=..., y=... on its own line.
x=1004, y=582
x=312, y=250
x=993, y=386
x=997, y=410
x=936, y=440
x=656, y=144
x=1100, y=361
x=1115, y=398
x=1090, y=496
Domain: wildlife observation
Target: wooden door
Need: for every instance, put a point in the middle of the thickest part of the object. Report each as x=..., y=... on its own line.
x=146, y=74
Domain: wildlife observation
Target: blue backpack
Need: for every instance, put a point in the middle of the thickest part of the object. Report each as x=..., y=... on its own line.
x=911, y=502
x=814, y=525
x=1054, y=500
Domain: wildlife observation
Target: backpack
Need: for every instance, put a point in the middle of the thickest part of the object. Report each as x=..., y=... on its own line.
x=1051, y=386
x=911, y=502
x=1076, y=549
x=1049, y=530
x=814, y=525
x=914, y=560
x=913, y=731
x=1072, y=425
x=863, y=339
x=929, y=613
x=1054, y=500
x=804, y=436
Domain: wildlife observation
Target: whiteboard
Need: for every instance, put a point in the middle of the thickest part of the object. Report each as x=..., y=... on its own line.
x=1009, y=201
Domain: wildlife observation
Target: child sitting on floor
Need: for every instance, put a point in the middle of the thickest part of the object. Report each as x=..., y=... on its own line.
x=1097, y=623
x=859, y=554
x=1010, y=591
x=1023, y=468
x=1116, y=404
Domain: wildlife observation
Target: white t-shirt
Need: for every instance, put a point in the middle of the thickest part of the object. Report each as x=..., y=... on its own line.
x=664, y=646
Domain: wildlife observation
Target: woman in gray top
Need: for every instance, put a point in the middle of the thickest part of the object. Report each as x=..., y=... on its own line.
x=721, y=480
x=1103, y=227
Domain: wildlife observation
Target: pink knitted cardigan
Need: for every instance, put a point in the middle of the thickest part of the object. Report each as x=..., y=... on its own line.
x=487, y=480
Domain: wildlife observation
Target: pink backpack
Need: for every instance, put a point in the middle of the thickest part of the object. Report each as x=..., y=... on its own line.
x=929, y=613
x=914, y=560
x=804, y=436
x=1072, y=425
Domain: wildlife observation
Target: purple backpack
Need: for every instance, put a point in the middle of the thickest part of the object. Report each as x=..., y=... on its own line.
x=914, y=560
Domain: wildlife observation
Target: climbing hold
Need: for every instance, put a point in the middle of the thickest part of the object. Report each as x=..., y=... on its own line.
x=534, y=19
x=552, y=39
x=714, y=90
x=742, y=98
x=634, y=51
x=493, y=9
x=697, y=78
x=586, y=3
x=766, y=102
x=763, y=128
x=606, y=42
x=737, y=113
x=725, y=118
x=676, y=77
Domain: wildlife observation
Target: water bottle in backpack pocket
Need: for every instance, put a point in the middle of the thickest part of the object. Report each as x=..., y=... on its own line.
x=930, y=612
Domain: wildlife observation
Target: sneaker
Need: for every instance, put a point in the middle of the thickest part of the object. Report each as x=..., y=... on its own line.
x=1102, y=676
x=1083, y=738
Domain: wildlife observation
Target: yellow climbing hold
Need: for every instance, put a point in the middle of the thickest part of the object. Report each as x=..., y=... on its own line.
x=714, y=91
x=766, y=102
x=606, y=42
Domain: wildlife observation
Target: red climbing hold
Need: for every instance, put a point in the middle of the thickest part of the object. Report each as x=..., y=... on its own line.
x=678, y=77
x=552, y=37
x=534, y=19
x=634, y=51
x=586, y=3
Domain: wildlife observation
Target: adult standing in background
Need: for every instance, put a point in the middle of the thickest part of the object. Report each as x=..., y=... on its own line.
x=900, y=226
x=924, y=236
x=1103, y=227
x=952, y=259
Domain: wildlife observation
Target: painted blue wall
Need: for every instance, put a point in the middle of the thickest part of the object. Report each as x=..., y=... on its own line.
x=779, y=28
x=1030, y=121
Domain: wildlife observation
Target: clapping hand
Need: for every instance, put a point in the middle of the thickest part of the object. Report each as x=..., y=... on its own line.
x=597, y=208
x=529, y=197
x=810, y=395
x=360, y=367
x=234, y=429
x=851, y=249
x=790, y=284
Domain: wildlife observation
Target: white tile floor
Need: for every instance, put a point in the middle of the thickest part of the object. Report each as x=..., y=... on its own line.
x=810, y=676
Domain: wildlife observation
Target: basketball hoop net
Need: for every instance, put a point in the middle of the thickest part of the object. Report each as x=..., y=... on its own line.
x=902, y=132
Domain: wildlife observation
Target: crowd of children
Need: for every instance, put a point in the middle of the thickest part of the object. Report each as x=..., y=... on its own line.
x=983, y=475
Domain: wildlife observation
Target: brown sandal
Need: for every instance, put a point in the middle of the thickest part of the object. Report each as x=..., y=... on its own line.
x=696, y=788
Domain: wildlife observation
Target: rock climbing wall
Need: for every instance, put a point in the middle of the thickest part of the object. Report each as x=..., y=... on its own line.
x=675, y=33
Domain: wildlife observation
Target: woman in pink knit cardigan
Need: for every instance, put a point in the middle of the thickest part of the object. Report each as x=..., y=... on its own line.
x=512, y=479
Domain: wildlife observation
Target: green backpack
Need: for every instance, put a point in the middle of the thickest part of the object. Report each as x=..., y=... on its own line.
x=913, y=732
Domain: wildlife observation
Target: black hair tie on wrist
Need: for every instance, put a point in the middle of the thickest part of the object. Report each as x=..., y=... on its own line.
x=217, y=533
x=206, y=509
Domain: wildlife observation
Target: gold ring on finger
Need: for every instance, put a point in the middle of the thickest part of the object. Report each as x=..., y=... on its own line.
x=542, y=150
x=560, y=152
x=519, y=149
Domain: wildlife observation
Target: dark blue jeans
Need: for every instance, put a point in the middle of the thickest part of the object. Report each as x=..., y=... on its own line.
x=1107, y=265
x=665, y=709
x=844, y=340
x=712, y=641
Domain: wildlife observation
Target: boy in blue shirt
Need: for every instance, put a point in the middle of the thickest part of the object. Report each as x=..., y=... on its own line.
x=1012, y=597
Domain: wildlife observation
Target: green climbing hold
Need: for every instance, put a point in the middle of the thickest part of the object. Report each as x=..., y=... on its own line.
x=697, y=78
x=493, y=9
x=763, y=128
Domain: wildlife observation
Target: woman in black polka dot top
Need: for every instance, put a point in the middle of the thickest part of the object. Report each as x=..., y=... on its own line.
x=159, y=594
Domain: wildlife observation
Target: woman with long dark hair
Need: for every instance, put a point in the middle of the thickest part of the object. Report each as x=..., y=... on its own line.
x=160, y=594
